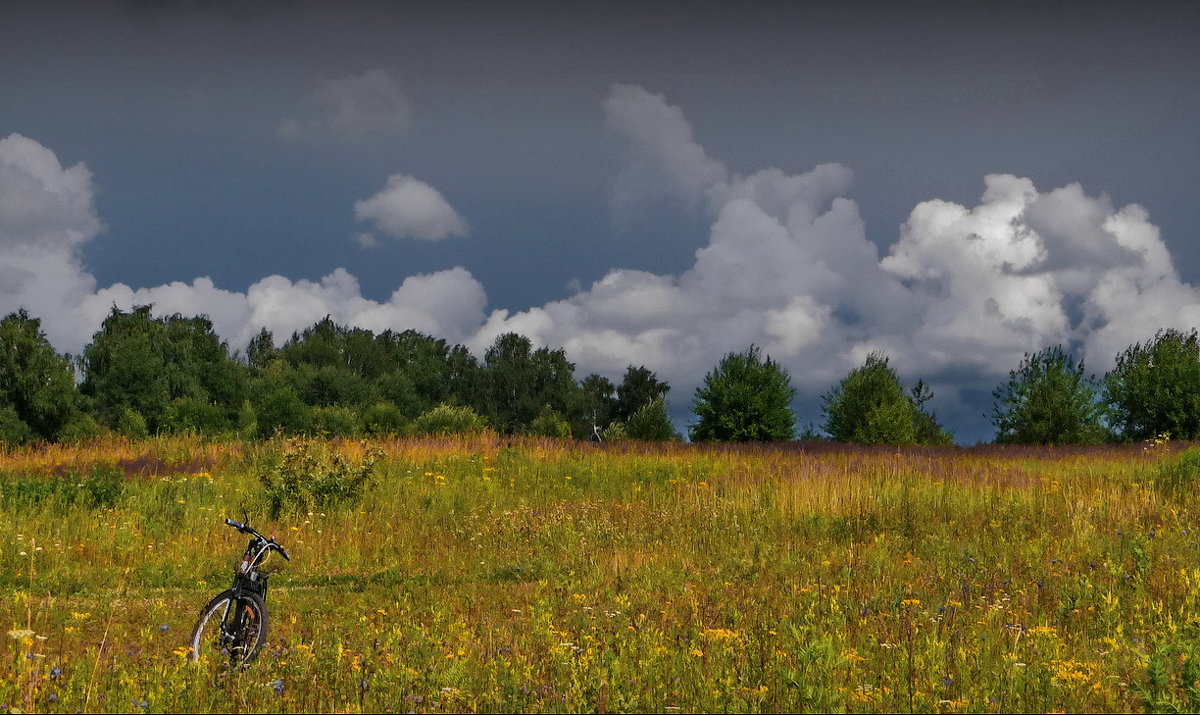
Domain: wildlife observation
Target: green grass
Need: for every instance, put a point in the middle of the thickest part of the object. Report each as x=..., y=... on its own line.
x=489, y=575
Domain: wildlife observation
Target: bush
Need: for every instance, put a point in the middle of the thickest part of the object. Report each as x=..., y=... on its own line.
x=651, y=423
x=281, y=409
x=247, y=421
x=384, y=418
x=335, y=421
x=190, y=414
x=615, y=432
x=549, y=423
x=13, y=430
x=307, y=475
x=81, y=427
x=449, y=419
x=132, y=424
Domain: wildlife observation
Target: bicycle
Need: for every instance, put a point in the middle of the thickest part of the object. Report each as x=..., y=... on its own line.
x=241, y=610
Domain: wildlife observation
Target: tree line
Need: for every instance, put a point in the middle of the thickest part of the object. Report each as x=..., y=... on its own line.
x=143, y=375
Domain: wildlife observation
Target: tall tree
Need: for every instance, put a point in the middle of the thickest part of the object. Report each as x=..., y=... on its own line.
x=261, y=350
x=521, y=382
x=1155, y=387
x=36, y=384
x=1048, y=399
x=651, y=423
x=639, y=387
x=745, y=398
x=599, y=403
x=870, y=406
x=123, y=366
x=139, y=362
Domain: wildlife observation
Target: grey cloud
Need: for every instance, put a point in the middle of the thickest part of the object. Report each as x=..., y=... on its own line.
x=352, y=107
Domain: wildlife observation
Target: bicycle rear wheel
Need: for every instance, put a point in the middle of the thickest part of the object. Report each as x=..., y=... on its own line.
x=231, y=630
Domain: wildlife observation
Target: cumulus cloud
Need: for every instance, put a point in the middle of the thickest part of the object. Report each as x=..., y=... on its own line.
x=408, y=208
x=47, y=213
x=957, y=299
x=43, y=205
x=660, y=156
x=367, y=104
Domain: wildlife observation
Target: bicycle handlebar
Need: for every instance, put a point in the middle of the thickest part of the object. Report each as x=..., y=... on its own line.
x=247, y=529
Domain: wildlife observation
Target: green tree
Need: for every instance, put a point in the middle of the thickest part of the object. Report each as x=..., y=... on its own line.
x=448, y=420
x=142, y=363
x=36, y=384
x=870, y=406
x=639, y=387
x=261, y=350
x=1155, y=387
x=744, y=399
x=520, y=382
x=384, y=418
x=549, y=423
x=279, y=408
x=651, y=423
x=1048, y=399
x=598, y=396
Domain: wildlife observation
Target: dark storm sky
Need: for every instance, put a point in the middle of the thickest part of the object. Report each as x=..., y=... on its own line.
x=181, y=114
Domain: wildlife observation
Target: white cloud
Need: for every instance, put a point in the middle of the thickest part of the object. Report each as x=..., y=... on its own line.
x=959, y=298
x=355, y=106
x=47, y=212
x=409, y=208
x=42, y=204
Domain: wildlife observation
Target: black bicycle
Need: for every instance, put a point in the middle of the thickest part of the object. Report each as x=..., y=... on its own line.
x=234, y=624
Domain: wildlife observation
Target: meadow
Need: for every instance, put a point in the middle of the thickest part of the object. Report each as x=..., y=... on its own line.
x=494, y=574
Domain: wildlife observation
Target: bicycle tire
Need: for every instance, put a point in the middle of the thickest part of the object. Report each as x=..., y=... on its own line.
x=239, y=648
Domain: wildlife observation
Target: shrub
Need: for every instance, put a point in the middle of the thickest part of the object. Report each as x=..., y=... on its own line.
x=335, y=421
x=281, y=409
x=449, y=419
x=13, y=430
x=549, y=423
x=307, y=475
x=81, y=427
x=132, y=424
x=650, y=423
x=247, y=421
x=384, y=418
x=191, y=414
x=615, y=432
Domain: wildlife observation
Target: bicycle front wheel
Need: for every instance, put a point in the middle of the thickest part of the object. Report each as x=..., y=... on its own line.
x=230, y=629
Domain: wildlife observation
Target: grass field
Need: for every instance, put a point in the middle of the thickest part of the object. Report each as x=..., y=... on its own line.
x=488, y=574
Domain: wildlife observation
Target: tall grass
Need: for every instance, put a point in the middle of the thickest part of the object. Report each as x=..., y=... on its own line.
x=490, y=574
